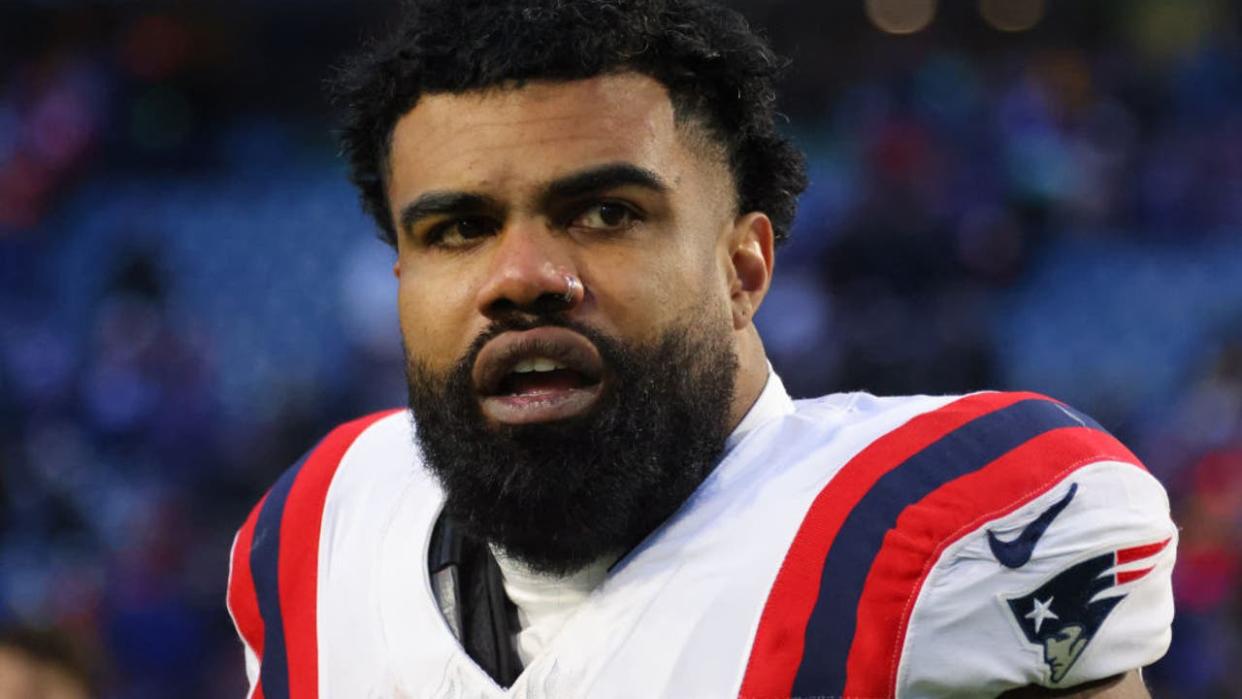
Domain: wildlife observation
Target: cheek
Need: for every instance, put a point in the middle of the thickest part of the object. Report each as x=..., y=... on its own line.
x=434, y=321
x=644, y=300
x=630, y=292
x=704, y=285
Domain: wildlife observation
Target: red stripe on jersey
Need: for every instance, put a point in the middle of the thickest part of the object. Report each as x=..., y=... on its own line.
x=925, y=529
x=242, y=603
x=780, y=637
x=1128, y=576
x=299, y=554
x=1138, y=553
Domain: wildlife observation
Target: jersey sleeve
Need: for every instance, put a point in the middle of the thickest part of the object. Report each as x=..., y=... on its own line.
x=242, y=600
x=999, y=540
x=1071, y=585
x=274, y=570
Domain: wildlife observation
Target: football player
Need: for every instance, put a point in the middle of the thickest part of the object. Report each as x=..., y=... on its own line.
x=600, y=488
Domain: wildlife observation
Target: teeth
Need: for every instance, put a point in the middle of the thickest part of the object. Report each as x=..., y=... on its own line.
x=538, y=364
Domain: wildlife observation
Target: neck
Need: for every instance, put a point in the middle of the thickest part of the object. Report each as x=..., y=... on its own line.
x=752, y=375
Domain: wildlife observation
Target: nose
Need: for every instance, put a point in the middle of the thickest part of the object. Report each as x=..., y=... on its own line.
x=531, y=270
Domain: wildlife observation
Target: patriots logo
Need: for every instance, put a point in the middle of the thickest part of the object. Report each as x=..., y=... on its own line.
x=1064, y=614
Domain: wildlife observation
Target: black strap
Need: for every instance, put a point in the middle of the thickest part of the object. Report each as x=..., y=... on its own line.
x=485, y=619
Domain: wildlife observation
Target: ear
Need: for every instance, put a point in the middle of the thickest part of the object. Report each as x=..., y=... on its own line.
x=396, y=268
x=751, y=257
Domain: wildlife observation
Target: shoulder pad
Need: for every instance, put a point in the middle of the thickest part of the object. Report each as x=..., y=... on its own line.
x=272, y=587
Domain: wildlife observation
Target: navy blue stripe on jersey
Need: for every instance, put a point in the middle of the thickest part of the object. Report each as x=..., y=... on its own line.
x=830, y=630
x=265, y=568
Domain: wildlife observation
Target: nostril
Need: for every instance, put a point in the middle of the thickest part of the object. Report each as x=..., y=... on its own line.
x=549, y=301
x=552, y=303
x=503, y=305
x=529, y=283
x=545, y=304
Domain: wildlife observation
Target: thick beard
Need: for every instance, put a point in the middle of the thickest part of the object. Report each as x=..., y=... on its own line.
x=561, y=495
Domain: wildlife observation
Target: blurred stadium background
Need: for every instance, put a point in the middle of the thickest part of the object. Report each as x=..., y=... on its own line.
x=1005, y=193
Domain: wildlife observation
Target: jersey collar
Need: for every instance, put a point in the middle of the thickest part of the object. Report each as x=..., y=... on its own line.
x=773, y=403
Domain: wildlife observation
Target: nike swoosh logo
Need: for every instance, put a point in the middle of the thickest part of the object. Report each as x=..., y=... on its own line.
x=1016, y=553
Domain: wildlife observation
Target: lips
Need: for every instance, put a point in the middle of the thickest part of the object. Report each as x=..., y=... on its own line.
x=540, y=375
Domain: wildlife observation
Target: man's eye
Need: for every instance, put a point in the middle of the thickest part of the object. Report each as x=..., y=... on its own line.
x=609, y=216
x=460, y=231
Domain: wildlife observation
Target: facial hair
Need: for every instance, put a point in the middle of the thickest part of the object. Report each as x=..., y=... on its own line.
x=558, y=496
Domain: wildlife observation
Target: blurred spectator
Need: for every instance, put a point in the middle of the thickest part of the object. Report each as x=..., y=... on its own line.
x=36, y=664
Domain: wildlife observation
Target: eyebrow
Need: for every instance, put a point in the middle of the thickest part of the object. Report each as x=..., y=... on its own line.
x=445, y=203
x=576, y=185
x=602, y=177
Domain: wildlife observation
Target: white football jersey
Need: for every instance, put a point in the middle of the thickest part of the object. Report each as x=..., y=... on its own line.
x=856, y=546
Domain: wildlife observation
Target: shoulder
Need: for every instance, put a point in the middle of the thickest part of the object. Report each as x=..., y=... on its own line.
x=994, y=449
x=1053, y=567
x=312, y=474
x=292, y=510
x=948, y=437
x=305, y=484
x=1013, y=488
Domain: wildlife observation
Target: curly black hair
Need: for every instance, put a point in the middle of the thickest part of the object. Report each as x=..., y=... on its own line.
x=716, y=69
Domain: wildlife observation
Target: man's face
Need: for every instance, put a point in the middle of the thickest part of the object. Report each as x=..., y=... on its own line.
x=648, y=255
x=582, y=422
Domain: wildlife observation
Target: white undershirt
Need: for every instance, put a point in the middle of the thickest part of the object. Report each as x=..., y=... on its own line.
x=545, y=602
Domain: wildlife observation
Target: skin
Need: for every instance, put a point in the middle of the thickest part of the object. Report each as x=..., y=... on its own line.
x=25, y=677
x=18, y=675
x=685, y=252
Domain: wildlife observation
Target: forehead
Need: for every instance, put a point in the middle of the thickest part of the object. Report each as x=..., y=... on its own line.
x=515, y=135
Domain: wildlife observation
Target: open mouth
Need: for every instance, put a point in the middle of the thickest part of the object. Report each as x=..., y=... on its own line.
x=540, y=375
